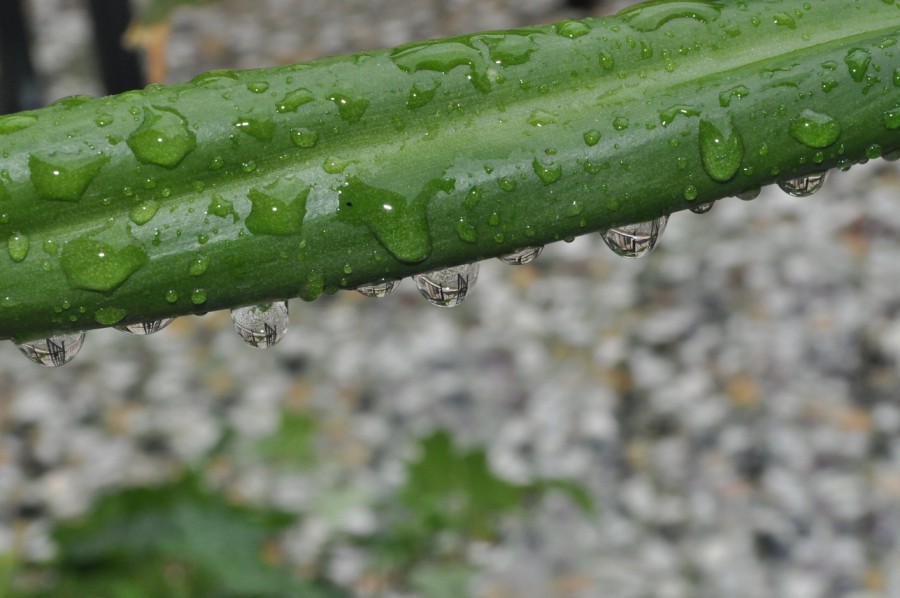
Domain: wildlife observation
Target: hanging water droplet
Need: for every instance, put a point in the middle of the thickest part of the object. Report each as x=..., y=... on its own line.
x=261, y=325
x=635, y=240
x=702, y=208
x=53, y=351
x=525, y=255
x=749, y=194
x=378, y=289
x=144, y=328
x=803, y=186
x=448, y=287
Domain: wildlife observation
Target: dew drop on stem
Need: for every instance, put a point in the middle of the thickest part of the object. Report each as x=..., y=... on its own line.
x=378, y=289
x=53, y=351
x=525, y=255
x=262, y=325
x=145, y=328
x=803, y=186
x=448, y=287
x=635, y=240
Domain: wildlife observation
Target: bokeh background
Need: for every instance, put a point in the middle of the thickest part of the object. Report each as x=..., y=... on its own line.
x=719, y=418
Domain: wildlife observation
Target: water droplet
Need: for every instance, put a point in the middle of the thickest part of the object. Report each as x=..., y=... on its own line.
x=219, y=206
x=620, y=123
x=257, y=87
x=749, y=195
x=420, y=96
x=572, y=29
x=592, y=137
x=896, y=77
x=399, y=223
x=607, y=61
x=199, y=265
x=652, y=16
x=549, y=172
x=466, y=231
x=857, y=61
x=892, y=119
x=702, y=208
x=16, y=122
x=785, y=20
x=740, y=92
x=162, y=139
x=103, y=120
x=107, y=316
x=635, y=240
x=278, y=208
x=198, y=296
x=98, y=266
x=293, y=100
x=145, y=328
x=304, y=138
x=261, y=129
x=803, y=186
x=721, y=154
x=53, y=351
x=525, y=255
x=64, y=176
x=18, y=245
x=873, y=151
x=690, y=193
x=144, y=212
x=507, y=183
x=349, y=109
x=261, y=326
x=171, y=296
x=668, y=115
x=443, y=57
x=814, y=129
x=541, y=118
x=378, y=289
x=448, y=287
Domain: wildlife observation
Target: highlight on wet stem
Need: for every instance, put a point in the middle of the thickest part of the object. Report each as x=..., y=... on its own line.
x=241, y=190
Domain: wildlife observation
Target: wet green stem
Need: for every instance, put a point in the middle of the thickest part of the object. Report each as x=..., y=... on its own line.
x=244, y=187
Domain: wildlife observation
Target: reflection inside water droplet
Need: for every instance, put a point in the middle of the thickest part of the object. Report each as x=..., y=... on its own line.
x=261, y=325
x=448, y=287
x=803, y=186
x=378, y=289
x=702, y=208
x=521, y=256
x=144, y=328
x=53, y=351
x=635, y=240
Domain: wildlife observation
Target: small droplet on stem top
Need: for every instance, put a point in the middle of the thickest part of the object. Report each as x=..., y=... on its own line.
x=378, y=289
x=53, y=351
x=635, y=240
x=263, y=325
x=702, y=208
x=448, y=287
x=803, y=186
x=524, y=255
x=144, y=328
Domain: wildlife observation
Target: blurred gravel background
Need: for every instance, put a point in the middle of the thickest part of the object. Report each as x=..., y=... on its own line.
x=731, y=400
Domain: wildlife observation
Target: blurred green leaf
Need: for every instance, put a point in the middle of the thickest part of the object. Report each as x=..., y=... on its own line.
x=293, y=444
x=179, y=539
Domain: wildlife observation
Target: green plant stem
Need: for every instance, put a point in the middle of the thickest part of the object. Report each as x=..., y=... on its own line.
x=244, y=187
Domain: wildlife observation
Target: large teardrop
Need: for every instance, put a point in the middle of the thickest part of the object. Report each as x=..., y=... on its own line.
x=378, y=289
x=263, y=325
x=525, y=255
x=635, y=240
x=803, y=186
x=53, y=351
x=144, y=328
x=448, y=287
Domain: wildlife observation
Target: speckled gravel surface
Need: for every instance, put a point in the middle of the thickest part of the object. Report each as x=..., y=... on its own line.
x=731, y=400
